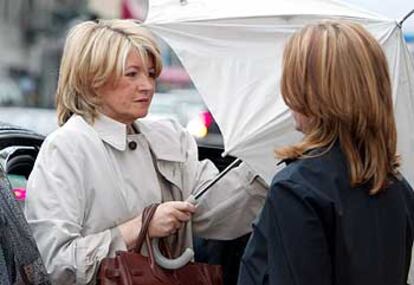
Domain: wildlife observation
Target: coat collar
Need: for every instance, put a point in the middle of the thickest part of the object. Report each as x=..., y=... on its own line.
x=164, y=144
x=110, y=131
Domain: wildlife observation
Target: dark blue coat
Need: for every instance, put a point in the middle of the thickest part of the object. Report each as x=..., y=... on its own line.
x=315, y=229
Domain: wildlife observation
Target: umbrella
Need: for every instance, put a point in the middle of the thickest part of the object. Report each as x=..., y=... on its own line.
x=232, y=51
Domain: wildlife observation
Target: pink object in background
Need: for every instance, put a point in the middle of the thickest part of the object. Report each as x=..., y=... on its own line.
x=207, y=118
x=19, y=193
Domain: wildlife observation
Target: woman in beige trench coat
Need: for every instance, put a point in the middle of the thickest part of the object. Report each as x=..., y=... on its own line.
x=96, y=173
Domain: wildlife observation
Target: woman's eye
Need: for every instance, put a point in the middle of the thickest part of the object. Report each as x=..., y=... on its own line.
x=131, y=74
x=151, y=73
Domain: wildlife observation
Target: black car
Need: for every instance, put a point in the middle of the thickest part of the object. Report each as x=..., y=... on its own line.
x=18, y=151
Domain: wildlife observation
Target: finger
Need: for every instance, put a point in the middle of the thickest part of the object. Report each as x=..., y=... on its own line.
x=174, y=229
x=181, y=216
x=184, y=206
x=180, y=226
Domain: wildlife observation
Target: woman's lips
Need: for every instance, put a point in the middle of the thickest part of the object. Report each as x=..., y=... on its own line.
x=142, y=100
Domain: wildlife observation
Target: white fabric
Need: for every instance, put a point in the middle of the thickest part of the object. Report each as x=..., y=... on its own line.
x=232, y=51
x=164, y=11
x=86, y=182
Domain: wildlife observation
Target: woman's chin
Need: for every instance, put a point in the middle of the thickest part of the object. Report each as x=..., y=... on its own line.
x=141, y=115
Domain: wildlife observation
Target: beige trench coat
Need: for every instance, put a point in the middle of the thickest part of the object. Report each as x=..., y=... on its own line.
x=74, y=213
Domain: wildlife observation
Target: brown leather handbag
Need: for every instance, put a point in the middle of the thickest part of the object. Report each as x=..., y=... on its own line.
x=132, y=268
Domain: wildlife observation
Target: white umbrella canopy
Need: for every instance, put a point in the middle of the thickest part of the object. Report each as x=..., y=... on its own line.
x=232, y=50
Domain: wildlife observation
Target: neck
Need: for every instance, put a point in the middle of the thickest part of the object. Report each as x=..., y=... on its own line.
x=131, y=129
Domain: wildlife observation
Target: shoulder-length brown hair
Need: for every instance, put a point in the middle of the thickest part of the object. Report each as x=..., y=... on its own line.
x=336, y=74
x=94, y=53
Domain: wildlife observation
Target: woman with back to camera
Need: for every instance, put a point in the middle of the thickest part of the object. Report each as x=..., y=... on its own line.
x=95, y=174
x=340, y=212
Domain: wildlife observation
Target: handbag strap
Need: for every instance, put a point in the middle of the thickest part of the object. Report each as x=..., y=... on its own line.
x=147, y=215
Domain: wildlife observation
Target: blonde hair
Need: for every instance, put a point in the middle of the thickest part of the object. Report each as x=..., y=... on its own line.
x=94, y=53
x=336, y=74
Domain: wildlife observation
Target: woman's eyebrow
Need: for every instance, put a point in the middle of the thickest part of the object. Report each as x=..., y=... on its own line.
x=139, y=67
x=134, y=66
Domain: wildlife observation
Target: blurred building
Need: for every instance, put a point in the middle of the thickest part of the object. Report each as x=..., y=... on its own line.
x=32, y=36
x=31, y=33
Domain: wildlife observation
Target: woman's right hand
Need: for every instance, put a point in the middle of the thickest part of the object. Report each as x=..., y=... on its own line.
x=170, y=217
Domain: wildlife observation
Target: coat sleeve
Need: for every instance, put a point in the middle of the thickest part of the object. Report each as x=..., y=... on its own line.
x=288, y=245
x=226, y=210
x=55, y=207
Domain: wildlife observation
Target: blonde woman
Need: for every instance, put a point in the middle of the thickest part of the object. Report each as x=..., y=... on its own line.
x=340, y=212
x=94, y=175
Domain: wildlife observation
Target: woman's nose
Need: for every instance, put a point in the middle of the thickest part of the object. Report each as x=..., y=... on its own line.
x=145, y=83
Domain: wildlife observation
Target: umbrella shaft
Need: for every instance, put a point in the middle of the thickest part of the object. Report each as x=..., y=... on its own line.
x=217, y=178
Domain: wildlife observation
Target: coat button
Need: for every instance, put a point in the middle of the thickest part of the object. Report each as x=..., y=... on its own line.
x=132, y=145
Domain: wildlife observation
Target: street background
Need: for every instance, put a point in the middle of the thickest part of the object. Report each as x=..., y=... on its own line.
x=32, y=34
